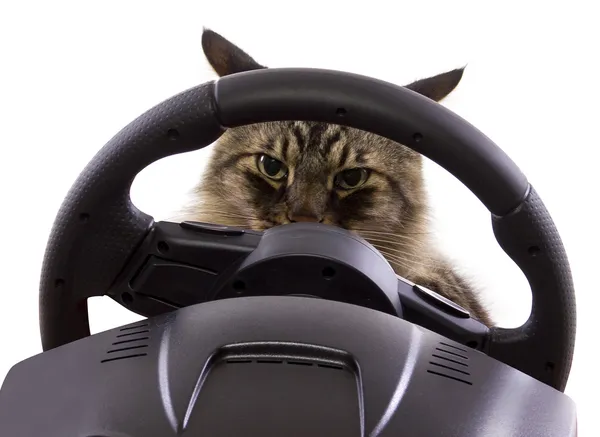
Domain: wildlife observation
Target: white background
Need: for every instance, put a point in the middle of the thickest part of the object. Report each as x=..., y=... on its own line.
x=74, y=73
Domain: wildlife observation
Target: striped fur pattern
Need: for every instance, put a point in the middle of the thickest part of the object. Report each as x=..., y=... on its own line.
x=269, y=174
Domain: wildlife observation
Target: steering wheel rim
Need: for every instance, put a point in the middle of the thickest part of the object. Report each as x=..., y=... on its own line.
x=98, y=228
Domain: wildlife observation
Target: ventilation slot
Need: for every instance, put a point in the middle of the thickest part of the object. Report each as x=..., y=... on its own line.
x=324, y=365
x=141, y=346
x=453, y=347
x=129, y=334
x=124, y=357
x=129, y=328
x=132, y=342
x=450, y=362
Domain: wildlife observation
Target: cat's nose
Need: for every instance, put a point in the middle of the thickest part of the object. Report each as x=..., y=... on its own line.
x=304, y=216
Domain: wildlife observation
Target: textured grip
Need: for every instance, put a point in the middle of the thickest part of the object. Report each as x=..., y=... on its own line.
x=543, y=346
x=97, y=226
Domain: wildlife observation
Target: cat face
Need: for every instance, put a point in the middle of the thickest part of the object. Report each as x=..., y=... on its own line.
x=275, y=173
x=283, y=172
x=268, y=174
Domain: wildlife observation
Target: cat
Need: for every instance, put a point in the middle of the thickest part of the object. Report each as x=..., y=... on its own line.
x=269, y=174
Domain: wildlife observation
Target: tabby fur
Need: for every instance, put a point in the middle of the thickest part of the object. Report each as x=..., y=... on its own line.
x=390, y=209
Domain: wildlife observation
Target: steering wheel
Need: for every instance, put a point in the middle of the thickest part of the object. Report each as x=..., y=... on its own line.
x=98, y=229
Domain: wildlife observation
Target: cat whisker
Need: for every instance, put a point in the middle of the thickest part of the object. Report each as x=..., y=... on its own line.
x=388, y=234
x=405, y=244
x=407, y=269
x=403, y=249
x=423, y=259
x=397, y=241
x=397, y=252
x=399, y=267
x=408, y=261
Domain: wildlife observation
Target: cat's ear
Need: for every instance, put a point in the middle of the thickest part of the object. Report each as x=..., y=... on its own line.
x=224, y=56
x=438, y=87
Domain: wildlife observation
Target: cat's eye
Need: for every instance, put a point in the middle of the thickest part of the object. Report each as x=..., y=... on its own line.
x=271, y=167
x=351, y=178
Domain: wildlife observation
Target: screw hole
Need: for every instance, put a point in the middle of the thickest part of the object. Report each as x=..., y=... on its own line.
x=162, y=247
x=84, y=217
x=239, y=286
x=341, y=111
x=473, y=344
x=127, y=298
x=59, y=283
x=550, y=367
x=417, y=137
x=173, y=134
x=328, y=272
x=534, y=251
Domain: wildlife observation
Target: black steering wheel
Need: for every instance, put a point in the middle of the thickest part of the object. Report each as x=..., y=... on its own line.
x=98, y=229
